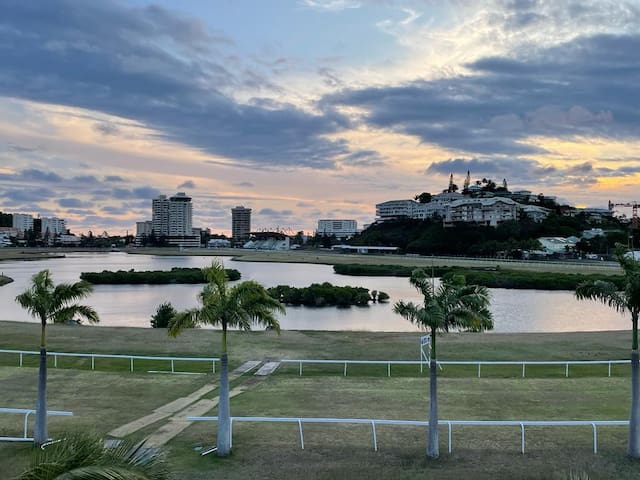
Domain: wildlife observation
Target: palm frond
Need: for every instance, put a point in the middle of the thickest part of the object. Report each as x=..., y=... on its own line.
x=604, y=292
x=181, y=320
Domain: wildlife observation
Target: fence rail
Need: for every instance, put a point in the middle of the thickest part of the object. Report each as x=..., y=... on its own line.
x=26, y=412
x=478, y=363
x=421, y=423
x=131, y=358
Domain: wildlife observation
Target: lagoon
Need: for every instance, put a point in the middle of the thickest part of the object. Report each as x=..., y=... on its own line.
x=132, y=305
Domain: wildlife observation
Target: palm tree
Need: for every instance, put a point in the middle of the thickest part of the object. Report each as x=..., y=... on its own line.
x=624, y=299
x=84, y=456
x=48, y=302
x=452, y=305
x=226, y=306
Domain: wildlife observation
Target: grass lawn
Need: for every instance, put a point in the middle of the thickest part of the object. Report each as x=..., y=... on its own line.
x=112, y=396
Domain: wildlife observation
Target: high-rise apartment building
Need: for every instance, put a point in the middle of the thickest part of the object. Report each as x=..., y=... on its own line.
x=339, y=228
x=22, y=222
x=172, y=218
x=240, y=224
x=53, y=225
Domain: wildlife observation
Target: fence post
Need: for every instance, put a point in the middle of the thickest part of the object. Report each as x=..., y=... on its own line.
x=522, y=447
x=479, y=369
x=172, y=369
x=55, y=361
x=375, y=439
x=609, y=367
x=566, y=371
x=595, y=438
x=132, y=364
x=301, y=434
x=345, y=369
x=300, y=374
x=388, y=369
x=26, y=423
x=213, y=366
x=449, y=422
x=230, y=431
x=523, y=369
x=20, y=358
x=93, y=362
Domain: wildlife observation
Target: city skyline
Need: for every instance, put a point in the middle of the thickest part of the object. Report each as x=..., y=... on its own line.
x=310, y=109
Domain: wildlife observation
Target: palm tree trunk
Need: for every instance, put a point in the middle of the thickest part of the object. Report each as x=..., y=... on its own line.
x=433, y=450
x=40, y=430
x=224, y=414
x=633, y=448
x=432, y=447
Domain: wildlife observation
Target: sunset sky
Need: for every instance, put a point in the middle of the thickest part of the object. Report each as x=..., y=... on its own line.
x=309, y=109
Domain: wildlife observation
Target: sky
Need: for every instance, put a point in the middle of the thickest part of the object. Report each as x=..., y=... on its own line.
x=311, y=109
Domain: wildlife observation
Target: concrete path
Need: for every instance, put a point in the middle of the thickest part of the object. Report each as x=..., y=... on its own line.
x=176, y=412
x=268, y=368
x=161, y=412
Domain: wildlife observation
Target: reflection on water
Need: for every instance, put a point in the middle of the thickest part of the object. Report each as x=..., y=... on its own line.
x=133, y=305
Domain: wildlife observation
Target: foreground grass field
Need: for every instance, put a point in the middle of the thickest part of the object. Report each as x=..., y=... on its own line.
x=104, y=399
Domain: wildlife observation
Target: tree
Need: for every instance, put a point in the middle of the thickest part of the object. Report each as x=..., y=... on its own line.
x=452, y=305
x=163, y=315
x=56, y=303
x=624, y=299
x=424, y=197
x=84, y=456
x=239, y=306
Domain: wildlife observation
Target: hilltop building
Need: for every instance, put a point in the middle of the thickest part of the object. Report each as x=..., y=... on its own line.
x=240, y=224
x=481, y=211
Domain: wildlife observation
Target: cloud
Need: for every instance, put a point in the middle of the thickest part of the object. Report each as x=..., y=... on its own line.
x=162, y=70
x=331, y=5
x=71, y=203
x=139, y=192
x=579, y=88
x=244, y=184
x=106, y=128
x=188, y=184
x=35, y=175
x=270, y=212
x=363, y=158
x=114, y=178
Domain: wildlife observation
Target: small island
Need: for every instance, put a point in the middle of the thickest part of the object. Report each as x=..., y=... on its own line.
x=327, y=295
x=153, y=277
x=4, y=280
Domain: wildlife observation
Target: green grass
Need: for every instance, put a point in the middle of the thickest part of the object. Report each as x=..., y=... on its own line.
x=102, y=400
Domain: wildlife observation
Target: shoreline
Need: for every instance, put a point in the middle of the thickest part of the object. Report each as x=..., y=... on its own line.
x=324, y=257
x=332, y=258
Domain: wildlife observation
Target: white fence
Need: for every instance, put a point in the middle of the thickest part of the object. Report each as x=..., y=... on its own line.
x=131, y=358
x=448, y=423
x=478, y=363
x=26, y=412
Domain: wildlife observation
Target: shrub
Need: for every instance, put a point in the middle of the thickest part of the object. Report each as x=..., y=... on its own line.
x=164, y=313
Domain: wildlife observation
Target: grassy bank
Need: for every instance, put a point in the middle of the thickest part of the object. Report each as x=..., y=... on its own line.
x=9, y=254
x=492, y=278
x=4, y=280
x=270, y=451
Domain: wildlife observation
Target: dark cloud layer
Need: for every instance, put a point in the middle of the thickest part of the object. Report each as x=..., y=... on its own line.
x=589, y=86
x=156, y=67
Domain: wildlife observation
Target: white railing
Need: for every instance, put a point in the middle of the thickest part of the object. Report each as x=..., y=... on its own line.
x=421, y=423
x=478, y=363
x=131, y=358
x=26, y=412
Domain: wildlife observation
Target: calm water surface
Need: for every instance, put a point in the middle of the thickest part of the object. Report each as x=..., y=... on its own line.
x=133, y=305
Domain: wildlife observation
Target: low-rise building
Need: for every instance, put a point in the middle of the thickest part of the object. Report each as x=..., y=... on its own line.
x=338, y=227
x=481, y=211
x=535, y=213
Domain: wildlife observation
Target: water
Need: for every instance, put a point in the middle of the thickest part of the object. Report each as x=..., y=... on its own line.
x=133, y=305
